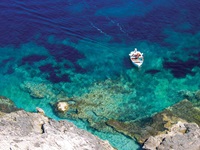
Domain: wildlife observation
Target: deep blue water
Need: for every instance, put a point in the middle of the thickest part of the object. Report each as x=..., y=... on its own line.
x=79, y=49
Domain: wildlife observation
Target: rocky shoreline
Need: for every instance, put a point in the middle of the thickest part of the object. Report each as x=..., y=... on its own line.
x=176, y=127
x=22, y=130
x=182, y=136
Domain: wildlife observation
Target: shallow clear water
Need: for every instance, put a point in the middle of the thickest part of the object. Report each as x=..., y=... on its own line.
x=79, y=49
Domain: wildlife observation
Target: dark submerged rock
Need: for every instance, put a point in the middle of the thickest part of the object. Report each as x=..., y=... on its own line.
x=180, y=68
x=152, y=71
x=7, y=105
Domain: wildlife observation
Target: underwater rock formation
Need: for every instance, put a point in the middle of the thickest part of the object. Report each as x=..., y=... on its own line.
x=7, y=105
x=38, y=90
x=159, y=123
x=194, y=97
x=62, y=106
x=181, y=136
x=22, y=130
x=197, y=95
x=180, y=68
x=104, y=101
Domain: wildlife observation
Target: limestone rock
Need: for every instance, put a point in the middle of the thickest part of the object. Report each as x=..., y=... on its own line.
x=62, y=106
x=152, y=142
x=176, y=139
x=159, y=123
x=40, y=110
x=21, y=130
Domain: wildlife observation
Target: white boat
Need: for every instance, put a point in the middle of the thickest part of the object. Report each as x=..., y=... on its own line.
x=137, y=58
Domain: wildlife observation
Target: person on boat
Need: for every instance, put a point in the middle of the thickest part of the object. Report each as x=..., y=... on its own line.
x=137, y=55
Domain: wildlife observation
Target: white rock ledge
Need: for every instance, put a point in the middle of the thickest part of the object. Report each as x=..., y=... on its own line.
x=22, y=130
x=183, y=136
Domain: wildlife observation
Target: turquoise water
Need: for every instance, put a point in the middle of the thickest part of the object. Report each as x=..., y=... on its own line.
x=57, y=50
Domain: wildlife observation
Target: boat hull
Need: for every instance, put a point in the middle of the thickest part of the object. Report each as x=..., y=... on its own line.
x=137, y=61
x=136, y=58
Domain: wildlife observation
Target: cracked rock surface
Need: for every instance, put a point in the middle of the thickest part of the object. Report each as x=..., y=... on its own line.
x=22, y=130
x=183, y=136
